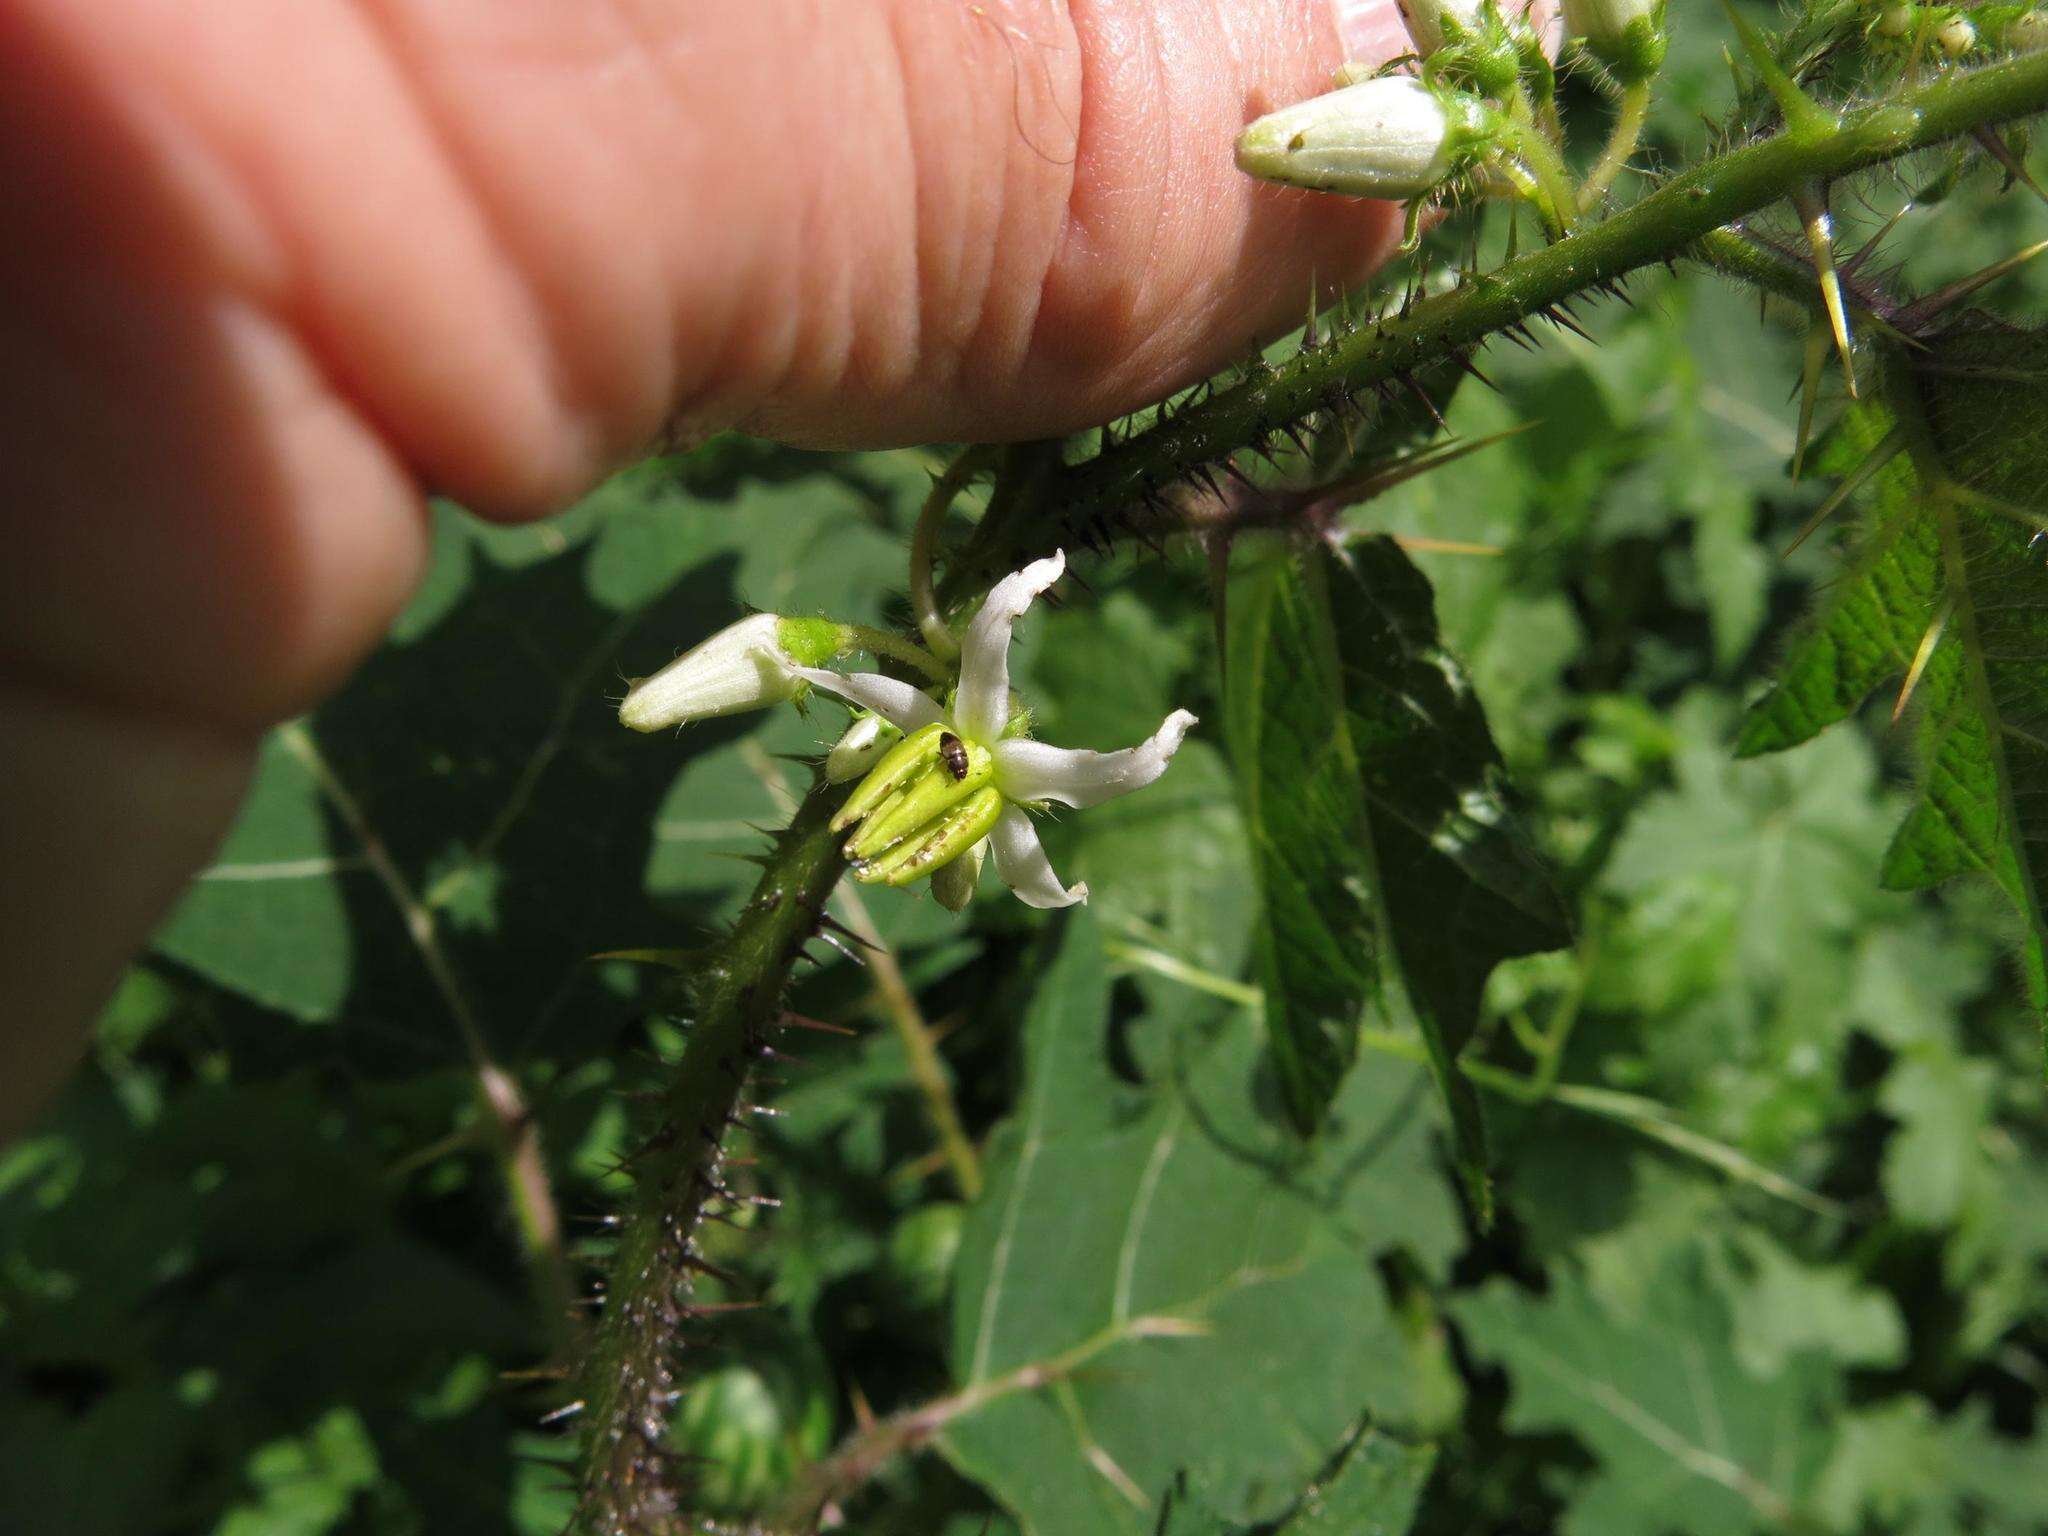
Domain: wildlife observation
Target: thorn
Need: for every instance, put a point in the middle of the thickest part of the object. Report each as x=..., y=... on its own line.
x=1881, y=455
x=668, y=959
x=1465, y=362
x=1995, y=146
x=1922, y=655
x=703, y=1266
x=1562, y=318
x=1854, y=263
x=718, y=1308
x=1811, y=201
x=829, y=921
x=1920, y=311
x=798, y=1021
x=566, y=1411
x=1311, y=334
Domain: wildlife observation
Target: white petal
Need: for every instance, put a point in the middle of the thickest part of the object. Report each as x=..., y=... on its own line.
x=1037, y=770
x=896, y=702
x=982, y=706
x=1023, y=866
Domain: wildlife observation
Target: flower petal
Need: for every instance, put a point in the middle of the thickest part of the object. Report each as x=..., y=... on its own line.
x=982, y=707
x=1023, y=866
x=899, y=703
x=1037, y=770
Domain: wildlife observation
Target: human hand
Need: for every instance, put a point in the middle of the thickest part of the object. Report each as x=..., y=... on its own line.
x=276, y=272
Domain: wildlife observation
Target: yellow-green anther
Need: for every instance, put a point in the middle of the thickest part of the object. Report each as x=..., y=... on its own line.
x=938, y=843
x=962, y=768
x=903, y=762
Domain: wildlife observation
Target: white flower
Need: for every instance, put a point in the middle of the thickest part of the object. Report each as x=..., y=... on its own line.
x=962, y=778
x=1390, y=137
x=757, y=662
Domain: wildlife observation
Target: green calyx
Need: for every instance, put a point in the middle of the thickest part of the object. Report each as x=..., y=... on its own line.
x=811, y=642
x=924, y=804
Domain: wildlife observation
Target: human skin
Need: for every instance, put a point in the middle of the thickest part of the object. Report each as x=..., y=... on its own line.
x=276, y=270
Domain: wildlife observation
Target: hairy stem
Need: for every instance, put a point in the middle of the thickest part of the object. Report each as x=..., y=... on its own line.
x=881, y=642
x=1621, y=143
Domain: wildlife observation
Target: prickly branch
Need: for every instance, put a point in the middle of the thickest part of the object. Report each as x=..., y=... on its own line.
x=632, y=1482
x=1661, y=227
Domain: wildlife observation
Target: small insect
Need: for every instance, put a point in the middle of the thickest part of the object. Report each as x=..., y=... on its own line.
x=953, y=753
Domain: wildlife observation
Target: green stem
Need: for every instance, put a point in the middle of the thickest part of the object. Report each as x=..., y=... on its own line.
x=882, y=642
x=631, y=1374
x=1658, y=227
x=924, y=548
x=1621, y=143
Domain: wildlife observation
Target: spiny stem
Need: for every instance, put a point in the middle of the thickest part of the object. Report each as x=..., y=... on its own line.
x=1659, y=227
x=631, y=1372
x=899, y=1005
x=1633, y=111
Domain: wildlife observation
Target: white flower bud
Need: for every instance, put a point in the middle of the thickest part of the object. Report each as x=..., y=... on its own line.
x=1425, y=21
x=860, y=748
x=2028, y=32
x=1956, y=37
x=748, y=665
x=1625, y=35
x=1393, y=137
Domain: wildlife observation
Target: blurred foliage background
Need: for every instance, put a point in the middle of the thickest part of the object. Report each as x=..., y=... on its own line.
x=1770, y=1143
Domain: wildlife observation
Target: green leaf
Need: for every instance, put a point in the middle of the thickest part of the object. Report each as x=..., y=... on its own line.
x=1948, y=550
x=1687, y=1440
x=1898, y=1468
x=1381, y=820
x=1371, y=1488
x=1319, y=943
x=1150, y=1286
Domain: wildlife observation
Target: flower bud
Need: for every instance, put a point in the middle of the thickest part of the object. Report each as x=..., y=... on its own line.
x=1956, y=37
x=748, y=665
x=1393, y=137
x=953, y=884
x=1433, y=23
x=2026, y=32
x=1626, y=35
x=854, y=753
